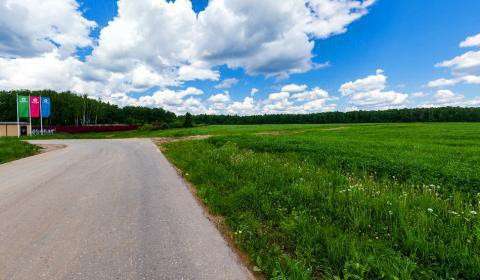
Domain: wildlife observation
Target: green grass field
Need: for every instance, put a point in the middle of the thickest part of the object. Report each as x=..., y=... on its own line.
x=12, y=149
x=396, y=201
x=179, y=132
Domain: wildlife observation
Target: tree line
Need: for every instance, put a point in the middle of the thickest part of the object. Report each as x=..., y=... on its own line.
x=71, y=109
x=443, y=114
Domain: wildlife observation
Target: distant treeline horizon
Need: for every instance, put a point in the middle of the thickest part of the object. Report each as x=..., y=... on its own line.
x=73, y=109
x=439, y=114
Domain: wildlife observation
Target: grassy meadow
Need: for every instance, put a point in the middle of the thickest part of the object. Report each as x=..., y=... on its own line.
x=394, y=201
x=12, y=149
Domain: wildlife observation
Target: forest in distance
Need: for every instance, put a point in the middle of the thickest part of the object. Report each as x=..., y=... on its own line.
x=76, y=110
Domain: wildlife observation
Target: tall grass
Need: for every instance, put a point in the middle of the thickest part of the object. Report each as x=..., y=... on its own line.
x=389, y=201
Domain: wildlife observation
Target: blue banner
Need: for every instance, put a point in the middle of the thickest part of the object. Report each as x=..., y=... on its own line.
x=46, y=107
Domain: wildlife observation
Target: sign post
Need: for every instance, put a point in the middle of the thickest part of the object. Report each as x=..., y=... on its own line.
x=30, y=113
x=18, y=119
x=41, y=117
x=45, y=109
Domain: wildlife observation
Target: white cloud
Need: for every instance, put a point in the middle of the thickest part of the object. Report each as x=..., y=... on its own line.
x=332, y=17
x=418, y=94
x=219, y=98
x=369, y=93
x=297, y=99
x=227, y=83
x=178, y=102
x=278, y=96
x=189, y=100
x=253, y=91
x=468, y=79
x=465, y=62
x=472, y=41
x=47, y=71
x=465, y=68
x=471, y=79
x=292, y=88
x=246, y=107
x=447, y=97
x=197, y=71
x=369, y=83
x=315, y=94
x=31, y=28
x=443, y=82
x=270, y=37
x=318, y=105
x=444, y=98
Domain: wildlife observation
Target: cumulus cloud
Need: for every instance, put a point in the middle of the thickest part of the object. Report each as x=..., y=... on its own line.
x=253, y=91
x=370, y=93
x=268, y=37
x=443, y=82
x=465, y=68
x=465, y=62
x=190, y=100
x=297, y=99
x=444, y=98
x=315, y=94
x=180, y=102
x=245, y=107
x=31, y=28
x=219, y=98
x=294, y=88
x=162, y=44
x=469, y=79
x=472, y=41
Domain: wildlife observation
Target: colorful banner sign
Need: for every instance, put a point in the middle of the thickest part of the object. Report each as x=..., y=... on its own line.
x=23, y=106
x=35, y=107
x=46, y=107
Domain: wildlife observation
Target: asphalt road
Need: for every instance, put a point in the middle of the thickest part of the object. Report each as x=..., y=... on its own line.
x=106, y=209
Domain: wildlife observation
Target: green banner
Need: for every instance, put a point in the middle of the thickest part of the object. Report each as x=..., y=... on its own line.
x=23, y=106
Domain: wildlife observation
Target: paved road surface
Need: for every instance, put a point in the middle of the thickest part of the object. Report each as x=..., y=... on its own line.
x=105, y=209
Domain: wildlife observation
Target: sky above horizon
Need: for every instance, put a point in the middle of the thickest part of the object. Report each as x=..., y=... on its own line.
x=244, y=56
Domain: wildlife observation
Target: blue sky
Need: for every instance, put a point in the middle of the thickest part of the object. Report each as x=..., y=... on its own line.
x=331, y=66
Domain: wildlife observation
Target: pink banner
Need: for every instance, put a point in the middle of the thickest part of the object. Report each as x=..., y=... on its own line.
x=35, y=106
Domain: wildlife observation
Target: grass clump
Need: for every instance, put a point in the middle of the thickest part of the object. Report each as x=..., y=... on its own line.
x=12, y=149
x=346, y=204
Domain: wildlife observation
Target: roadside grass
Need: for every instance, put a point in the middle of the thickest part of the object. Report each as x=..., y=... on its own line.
x=396, y=201
x=13, y=148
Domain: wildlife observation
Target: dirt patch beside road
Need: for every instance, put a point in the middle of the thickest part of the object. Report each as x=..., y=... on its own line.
x=45, y=148
x=163, y=140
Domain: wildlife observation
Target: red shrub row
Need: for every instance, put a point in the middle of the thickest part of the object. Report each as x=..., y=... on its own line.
x=91, y=128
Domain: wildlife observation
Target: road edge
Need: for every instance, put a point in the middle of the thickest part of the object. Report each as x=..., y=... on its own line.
x=217, y=220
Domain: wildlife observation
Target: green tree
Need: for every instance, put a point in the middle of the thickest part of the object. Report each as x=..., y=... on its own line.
x=188, y=120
